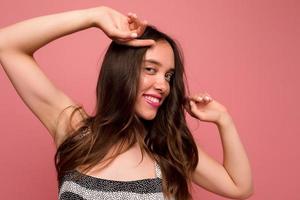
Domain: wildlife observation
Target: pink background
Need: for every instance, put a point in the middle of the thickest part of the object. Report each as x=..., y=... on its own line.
x=244, y=53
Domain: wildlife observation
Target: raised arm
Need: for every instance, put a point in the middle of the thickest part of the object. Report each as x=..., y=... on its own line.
x=233, y=178
x=18, y=43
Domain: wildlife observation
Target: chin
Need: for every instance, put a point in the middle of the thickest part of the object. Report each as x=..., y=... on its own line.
x=148, y=116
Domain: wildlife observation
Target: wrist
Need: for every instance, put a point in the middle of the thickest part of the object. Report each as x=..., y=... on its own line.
x=224, y=119
x=94, y=15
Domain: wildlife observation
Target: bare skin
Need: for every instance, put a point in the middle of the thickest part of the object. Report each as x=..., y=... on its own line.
x=20, y=41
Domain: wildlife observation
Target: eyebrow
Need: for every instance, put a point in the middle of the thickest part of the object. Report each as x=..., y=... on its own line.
x=156, y=63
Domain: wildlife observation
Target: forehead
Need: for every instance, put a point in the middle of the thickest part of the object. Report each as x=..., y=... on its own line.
x=162, y=53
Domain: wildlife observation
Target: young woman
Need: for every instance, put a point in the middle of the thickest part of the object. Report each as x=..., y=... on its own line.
x=137, y=144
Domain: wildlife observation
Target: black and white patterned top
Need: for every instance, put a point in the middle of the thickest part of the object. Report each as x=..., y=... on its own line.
x=91, y=188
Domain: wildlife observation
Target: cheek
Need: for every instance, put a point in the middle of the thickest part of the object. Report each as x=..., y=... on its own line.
x=144, y=83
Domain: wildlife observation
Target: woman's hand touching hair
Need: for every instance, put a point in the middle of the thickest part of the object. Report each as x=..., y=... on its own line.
x=121, y=28
x=203, y=107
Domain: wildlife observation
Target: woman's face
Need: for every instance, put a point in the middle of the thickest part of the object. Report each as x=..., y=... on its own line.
x=154, y=84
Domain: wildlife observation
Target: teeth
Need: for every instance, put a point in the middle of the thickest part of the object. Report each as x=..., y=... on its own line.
x=153, y=99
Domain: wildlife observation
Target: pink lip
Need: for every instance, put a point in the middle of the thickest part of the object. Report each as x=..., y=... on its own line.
x=153, y=104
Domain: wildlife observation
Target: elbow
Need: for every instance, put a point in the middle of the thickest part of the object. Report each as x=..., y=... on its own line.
x=240, y=192
x=5, y=44
x=4, y=48
x=245, y=193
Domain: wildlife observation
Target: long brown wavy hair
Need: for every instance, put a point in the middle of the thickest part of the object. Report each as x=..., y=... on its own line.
x=166, y=138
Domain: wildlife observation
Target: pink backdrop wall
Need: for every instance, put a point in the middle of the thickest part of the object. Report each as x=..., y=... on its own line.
x=244, y=53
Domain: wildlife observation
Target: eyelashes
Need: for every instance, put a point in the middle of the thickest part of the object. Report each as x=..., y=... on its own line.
x=168, y=76
x=149, y=69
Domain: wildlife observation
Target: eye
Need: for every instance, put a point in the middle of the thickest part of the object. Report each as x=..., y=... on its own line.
x=150, y=69
x=169, y=76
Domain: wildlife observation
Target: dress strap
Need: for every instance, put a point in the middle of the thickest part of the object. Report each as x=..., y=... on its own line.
x=157, y=170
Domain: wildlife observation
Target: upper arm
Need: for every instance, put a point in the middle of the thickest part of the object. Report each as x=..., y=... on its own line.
x=212, y=176
x=39, y=94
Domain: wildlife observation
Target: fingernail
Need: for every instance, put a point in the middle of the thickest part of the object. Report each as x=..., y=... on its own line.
x=153, y=42
x=133, y=35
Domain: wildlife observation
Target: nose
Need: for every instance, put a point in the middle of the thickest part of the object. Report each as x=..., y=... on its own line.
x=161, y=84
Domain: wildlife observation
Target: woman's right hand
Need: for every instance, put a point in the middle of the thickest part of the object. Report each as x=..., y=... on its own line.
x=120, y=28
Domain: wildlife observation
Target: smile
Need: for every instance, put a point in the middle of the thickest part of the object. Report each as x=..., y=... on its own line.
x=154, y=102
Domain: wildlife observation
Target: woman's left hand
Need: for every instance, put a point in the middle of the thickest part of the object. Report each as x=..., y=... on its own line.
x=203, y=107
x=121, y=28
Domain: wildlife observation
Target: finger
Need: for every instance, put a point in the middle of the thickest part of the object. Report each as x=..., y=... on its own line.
x=196, y=112
x=132, y=14
x=141, y=29
x=133, y=20
x=123, y=34
x=193, y=107
x=140, y=43
x=129, y=14
x=207, y=98
x=201, y=98
x=197, y=98
x=132, y=26
x=129, y=19
x=136, y=24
